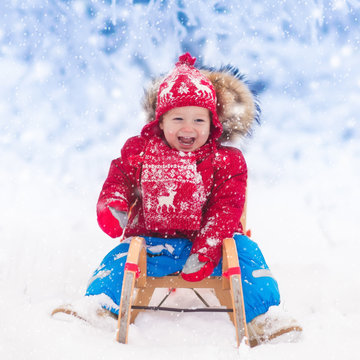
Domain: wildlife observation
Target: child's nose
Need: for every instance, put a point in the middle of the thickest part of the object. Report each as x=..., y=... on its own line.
x=187, y=127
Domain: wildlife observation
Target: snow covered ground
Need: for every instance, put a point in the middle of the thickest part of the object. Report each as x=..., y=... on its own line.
x=304, y=197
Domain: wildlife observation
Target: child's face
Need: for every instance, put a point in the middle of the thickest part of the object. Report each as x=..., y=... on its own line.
x=186, y=128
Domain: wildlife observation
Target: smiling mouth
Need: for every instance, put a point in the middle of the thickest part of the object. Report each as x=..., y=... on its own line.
x=186, y=140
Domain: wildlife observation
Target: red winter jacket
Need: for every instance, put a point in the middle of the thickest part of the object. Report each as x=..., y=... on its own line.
x=223, y=176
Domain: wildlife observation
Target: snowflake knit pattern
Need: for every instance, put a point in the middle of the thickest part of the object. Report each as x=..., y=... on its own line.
x=172, y=189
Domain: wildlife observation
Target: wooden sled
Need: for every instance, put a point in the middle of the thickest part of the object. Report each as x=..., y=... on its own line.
x=227, y=288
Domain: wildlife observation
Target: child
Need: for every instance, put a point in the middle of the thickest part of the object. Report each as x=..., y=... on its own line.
x=184, y=192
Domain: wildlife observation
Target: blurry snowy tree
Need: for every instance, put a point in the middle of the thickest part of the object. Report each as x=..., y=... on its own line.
x=72, y=70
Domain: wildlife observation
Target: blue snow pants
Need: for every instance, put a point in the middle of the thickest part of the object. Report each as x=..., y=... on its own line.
x=167, y=256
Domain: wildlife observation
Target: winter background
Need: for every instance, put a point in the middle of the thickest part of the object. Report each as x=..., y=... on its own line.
x=72, y=74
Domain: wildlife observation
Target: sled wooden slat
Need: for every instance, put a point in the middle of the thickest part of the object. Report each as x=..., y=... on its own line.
x=137, y=248
x=231, y=261
x=176, y=281
x=125, y=307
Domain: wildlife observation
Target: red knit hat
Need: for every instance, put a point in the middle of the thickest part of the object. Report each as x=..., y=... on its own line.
x=186, y=86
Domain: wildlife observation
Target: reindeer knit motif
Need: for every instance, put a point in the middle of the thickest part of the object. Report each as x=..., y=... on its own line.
x=167, y=200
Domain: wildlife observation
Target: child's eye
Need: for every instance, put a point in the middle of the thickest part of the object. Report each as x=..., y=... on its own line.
x=199, y=120
x=177, y=118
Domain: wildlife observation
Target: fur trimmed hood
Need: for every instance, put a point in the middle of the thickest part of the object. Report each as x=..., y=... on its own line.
x=237, y=106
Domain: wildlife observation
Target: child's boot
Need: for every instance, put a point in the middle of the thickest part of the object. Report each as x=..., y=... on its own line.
x=274, y=325
x=89, y=310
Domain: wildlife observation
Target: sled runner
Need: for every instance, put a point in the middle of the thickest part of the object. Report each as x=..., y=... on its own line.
x=227, y=288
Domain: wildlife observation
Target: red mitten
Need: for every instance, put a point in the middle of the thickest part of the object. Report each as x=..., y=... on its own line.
x=197, y=267
x=106, y=220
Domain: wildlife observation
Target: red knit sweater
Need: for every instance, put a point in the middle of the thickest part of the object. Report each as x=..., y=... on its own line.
x=198, y=195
